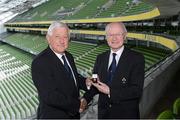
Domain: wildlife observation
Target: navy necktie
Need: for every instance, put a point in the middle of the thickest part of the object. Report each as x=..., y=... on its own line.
x=112, y=69
x=68, y=70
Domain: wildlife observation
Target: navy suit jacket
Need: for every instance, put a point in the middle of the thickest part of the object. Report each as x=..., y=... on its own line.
x=58, y=94
x=126, y=87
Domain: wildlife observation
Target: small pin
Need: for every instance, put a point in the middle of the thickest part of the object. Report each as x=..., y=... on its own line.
x=124, y=80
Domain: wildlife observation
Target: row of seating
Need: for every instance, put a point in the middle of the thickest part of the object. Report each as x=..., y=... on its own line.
x=34, y=43
x=86, y=62
x=89, y=10
x=139, y=8
x=151, y=56
x=37, y=43
x=18, y=95
x=115, y=10
x=47, y=11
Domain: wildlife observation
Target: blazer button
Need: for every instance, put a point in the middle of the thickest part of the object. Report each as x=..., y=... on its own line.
x=110, y=105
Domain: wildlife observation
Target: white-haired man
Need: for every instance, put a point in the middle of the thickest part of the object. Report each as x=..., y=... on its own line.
x=121, y=77
x=55, y=76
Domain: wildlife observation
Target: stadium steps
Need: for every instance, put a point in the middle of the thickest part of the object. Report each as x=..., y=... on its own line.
x=17, y=92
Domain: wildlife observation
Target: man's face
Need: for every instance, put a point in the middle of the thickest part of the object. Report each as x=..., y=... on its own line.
x=59, y=40
x=115, y=36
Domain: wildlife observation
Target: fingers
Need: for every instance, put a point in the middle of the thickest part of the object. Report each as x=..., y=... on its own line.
x=97, y=85
x=83, y=105
x=100, y=83
x=88, y=83
x=102, y=87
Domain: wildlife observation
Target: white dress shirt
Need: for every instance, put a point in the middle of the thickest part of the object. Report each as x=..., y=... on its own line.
x=118, y=55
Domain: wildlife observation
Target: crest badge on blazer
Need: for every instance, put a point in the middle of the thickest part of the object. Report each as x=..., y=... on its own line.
x=124, y=80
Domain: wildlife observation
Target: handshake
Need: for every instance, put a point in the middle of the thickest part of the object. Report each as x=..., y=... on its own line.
x=83, y=105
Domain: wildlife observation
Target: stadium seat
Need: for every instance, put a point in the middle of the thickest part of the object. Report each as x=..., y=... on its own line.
x=17, y=112
x=5, y=114
x=2, y=116
x=176, y=107
x=167, y=114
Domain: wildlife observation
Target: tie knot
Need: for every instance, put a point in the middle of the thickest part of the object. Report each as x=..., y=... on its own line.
x=63, y=57
x=114, y=55
x=65, y=63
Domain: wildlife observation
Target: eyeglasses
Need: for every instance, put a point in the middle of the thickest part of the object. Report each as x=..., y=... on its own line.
x=61, y=37
x=115, y=35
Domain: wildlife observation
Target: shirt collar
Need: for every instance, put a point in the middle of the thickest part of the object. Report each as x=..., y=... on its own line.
x=57, y=54
x=119, y=52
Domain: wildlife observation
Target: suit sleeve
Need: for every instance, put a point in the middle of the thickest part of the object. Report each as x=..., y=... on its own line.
x=48, y=92
x=135, y=86
x=80, y=78
x=82, y=82
x=93, y=91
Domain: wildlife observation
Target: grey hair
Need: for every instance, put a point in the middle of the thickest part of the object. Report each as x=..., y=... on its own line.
x=56, y=24
x=120, y=23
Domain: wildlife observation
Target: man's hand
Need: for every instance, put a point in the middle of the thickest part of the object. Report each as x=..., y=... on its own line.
x=102, y=87
x=88, y=83
x=83, y=105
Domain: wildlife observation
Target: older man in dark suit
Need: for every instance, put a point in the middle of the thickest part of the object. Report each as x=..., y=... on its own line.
x=55, y=76
x=121, y=77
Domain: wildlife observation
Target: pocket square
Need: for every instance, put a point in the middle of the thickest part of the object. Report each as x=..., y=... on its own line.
x=123, y=80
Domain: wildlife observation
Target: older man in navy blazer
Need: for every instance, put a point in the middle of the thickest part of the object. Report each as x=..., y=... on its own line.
x=121, y=77
x=55, y=76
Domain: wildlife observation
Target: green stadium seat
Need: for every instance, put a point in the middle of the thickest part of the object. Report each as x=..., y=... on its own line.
x=6, y=114
x=2, y=116
x=17, y=113
x=167, y=114
x=22, y=110
x=11, y=113
x=30, y=106
x=176, y=107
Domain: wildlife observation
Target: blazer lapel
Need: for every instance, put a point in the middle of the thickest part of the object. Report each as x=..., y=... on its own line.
x=73, y=68
x=105, y=69
x=56, y=61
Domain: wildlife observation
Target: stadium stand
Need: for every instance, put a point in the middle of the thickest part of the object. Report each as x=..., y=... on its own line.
x=138, y=8
x=85, y=54
x=83, y=9
x=18, y=94
x=51, y=10
x=89, y=10
x=34, y=43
